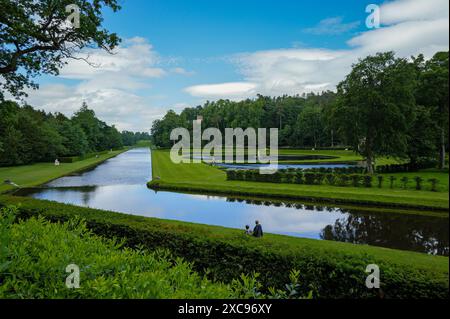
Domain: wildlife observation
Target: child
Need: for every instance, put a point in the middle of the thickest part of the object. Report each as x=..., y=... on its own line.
x=247, y=230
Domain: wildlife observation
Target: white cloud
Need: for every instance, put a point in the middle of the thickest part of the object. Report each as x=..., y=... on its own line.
x=231, y=90
x=410, y=27
x=136, y=58
x=126, y=110
x=332, y=26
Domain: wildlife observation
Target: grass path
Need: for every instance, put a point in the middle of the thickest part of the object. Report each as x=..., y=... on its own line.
x=40, y=173
x=204, y=178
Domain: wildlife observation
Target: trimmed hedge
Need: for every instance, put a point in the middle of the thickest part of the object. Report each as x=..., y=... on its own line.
x=332, y=270
x=320, y=177
x=407, y=167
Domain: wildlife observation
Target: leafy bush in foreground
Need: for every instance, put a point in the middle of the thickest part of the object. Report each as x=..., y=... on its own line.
x=39, y=253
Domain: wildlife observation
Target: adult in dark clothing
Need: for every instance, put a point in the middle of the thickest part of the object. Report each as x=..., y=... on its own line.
x=257, y=231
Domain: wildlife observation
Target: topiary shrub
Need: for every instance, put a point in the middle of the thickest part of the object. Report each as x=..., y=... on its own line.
x=418, y=181
x=380, y=179
x=392, y=179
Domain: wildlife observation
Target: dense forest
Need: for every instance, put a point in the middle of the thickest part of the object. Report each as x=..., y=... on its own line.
x=28, y=135
x=386, y=106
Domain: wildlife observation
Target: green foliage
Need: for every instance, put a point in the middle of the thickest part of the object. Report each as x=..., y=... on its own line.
x=355, y=180
x=39, y=253
x=418, y=181
x=300, y=119
x=392, y=180
x=32, y=41
x=31, y=136
x=434, y=182
x=374, y=105
x=380, y=179
x=311, y=177
x=404, y=181
x=367, y=180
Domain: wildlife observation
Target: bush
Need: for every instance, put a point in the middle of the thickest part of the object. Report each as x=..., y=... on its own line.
x=355, y=180
x=380, y=179
x=39, y=252
x=231, y=174
x=333, y=272
x=239, y=175
x=310, y=178
x=392, y=179
x=343, y=180
x=367, y=180
x=299, y=177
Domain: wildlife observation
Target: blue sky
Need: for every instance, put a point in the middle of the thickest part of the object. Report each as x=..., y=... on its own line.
x=179, y=53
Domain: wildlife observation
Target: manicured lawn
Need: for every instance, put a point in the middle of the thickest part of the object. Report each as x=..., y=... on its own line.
x=205, y=178
x=40, y=173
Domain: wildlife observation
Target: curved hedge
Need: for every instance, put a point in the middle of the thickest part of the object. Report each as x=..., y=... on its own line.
x=331, y=269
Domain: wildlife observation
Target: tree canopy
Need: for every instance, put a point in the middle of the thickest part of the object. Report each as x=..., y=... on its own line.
x=28, y=135
x=36, y=38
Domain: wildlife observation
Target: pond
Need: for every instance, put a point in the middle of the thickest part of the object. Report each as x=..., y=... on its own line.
x=119, y=184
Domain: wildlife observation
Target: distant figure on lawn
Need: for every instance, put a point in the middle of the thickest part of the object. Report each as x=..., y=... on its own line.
x=257, y=231
x=247, y=230
x=56, y=162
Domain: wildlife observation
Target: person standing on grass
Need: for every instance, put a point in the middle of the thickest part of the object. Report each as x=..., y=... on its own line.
x=248, y=230
x=257, y=231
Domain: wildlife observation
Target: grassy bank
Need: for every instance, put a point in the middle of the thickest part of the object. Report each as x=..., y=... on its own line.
x=40, y=173
x=204, y=178
x=332, y=269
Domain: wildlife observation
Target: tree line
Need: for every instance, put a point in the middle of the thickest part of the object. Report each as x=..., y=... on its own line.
x=28, y=135
x=386, y=106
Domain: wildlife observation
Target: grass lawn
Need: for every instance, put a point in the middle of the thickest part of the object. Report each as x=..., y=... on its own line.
x=202, y=177
x=40, y=173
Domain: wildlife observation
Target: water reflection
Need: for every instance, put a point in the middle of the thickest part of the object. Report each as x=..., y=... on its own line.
x=119, y=185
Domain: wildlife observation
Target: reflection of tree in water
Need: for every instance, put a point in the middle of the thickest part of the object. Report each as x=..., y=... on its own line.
x=407, y=232
x=418, y=233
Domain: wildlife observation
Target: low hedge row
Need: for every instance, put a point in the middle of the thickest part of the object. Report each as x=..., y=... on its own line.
x=309, y=177
x=406, y=167
x=332, y=270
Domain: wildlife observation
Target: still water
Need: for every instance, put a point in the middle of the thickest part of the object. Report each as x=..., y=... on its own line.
x=119, y=184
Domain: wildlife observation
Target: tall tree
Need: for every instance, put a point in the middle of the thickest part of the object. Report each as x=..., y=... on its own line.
x=374, y=104
x=36, y=38
x=433, y=92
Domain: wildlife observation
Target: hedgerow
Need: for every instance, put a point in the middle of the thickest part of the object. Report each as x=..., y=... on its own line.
x=333, y=177
x=226, y=254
